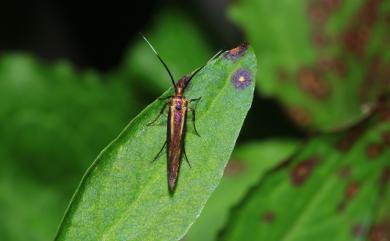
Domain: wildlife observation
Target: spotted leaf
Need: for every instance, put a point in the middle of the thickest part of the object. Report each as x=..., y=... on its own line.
x=124, y=196
x=329, y=190
x=325, y=61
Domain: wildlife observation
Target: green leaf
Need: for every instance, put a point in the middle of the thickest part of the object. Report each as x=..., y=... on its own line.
x=173, y=35
x=48, y=108
x=123, y=196
x=53, y=122
x=326, y=61
x=248, y=163
x=329, y=190
x=21, y=203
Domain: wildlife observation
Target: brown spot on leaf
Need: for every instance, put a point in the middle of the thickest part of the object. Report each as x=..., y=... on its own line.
x=380, y=231
x=313, y=84
x=332, y=5
x=344, y=172
x=349, y=139
x=385, y=177
x=282, y=75
x=376, y=79
x=358, y=231
x=384, y=113
x=355, y=40
x=236, y=53
x=268, y=217
x=234, y=167
x=317, y=13
x=350, y=192
x=302, y=171
x=334, y=65
x=320, y=39
x=357, y=35
x=383, y=109
x=386, y=138
x=374, y=150
x=299, y=115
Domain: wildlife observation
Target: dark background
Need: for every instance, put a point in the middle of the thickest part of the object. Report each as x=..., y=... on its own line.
x=97, y=35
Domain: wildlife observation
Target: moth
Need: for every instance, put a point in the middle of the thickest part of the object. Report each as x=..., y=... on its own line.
x=178, y=107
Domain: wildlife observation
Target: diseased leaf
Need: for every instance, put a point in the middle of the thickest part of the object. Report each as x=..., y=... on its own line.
x=123, y=196
x=329, y=190
x=326, y=61
x=247, y=165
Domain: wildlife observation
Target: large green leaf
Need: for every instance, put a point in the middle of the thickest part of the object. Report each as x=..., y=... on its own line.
x=328, y=191
x=247, y=165
x=326, y=61
x=123, y=196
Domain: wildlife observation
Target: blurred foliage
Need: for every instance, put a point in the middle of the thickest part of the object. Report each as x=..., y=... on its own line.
x=380, y=230
x=55, y=121
x=326, y=61
x=331, y=187
x=48, y=110
x=29, y=210
x=124, y=196
x=179, y=42
x=247, y=165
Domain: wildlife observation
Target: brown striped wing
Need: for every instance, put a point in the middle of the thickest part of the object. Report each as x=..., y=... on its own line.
x=176, y=132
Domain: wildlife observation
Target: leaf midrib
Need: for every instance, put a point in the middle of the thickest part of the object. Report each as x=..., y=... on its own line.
x=112, y=227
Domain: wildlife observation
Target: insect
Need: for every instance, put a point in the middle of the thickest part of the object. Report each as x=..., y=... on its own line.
x=176, y=123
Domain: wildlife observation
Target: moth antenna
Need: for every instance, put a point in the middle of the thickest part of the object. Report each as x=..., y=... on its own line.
x=162, y=61
x=215, y=56
x=200, y=68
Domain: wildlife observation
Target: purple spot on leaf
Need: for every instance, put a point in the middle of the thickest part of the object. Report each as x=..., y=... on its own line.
x=241, y=78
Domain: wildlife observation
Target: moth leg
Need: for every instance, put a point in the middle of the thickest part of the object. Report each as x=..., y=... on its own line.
x=185, y=156
x=196, y=99
x=159, y=153
x=193, y=114
x=161, y=112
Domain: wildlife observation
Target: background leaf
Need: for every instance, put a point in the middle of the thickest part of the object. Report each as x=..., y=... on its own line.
x=173, y=35
x=44, y=110
x=248, y=163
x=380, y=229
x=343, y=173
x=125, y=197
x=324, y=60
